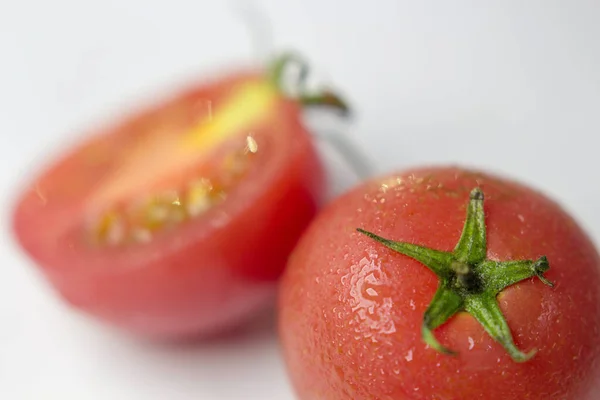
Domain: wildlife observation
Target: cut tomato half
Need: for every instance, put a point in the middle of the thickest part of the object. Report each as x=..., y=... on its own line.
x=178, y=221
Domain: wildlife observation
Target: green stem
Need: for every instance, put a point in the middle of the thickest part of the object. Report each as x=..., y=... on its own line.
x=471, y=247
x=486, y=311
x=324, y=98
x=444, y=305
x=281, y=63
x=436, y=261
x=320, y=98
x=513, y=272
x=469, y=281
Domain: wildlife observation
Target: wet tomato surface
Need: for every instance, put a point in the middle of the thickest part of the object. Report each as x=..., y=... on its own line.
x=356, y=315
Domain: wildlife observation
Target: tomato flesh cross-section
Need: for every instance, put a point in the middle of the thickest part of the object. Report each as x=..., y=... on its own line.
x=168, y=205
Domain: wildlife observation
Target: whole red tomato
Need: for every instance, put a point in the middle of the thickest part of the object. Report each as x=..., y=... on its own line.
x=457, y=285
x=178, y=221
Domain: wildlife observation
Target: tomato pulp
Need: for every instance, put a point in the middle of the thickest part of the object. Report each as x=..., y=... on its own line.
x=179, y=220
x=354, y=312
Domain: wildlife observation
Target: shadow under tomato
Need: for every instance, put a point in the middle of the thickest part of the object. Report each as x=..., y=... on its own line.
x=259, y=327
x=225, y=365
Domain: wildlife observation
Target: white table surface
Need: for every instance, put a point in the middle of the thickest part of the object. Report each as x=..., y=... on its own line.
x=510, y=86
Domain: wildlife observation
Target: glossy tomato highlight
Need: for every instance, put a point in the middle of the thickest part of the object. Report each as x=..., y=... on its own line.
x=442, y=283
x=178, y=221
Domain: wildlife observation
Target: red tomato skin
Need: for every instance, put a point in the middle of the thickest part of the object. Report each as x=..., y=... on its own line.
x=351, y=310
x=208, y=275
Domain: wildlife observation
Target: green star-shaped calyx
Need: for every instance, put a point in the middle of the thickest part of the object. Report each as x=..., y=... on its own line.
x=469, y=281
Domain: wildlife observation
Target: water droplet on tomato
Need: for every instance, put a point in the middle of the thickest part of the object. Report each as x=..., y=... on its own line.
x=251, y=144
x=372, y=311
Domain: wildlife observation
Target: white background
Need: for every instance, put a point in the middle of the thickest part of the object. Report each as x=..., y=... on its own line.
x=511, y=86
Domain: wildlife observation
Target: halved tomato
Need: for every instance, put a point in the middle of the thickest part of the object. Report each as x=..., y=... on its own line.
x=179, y=220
